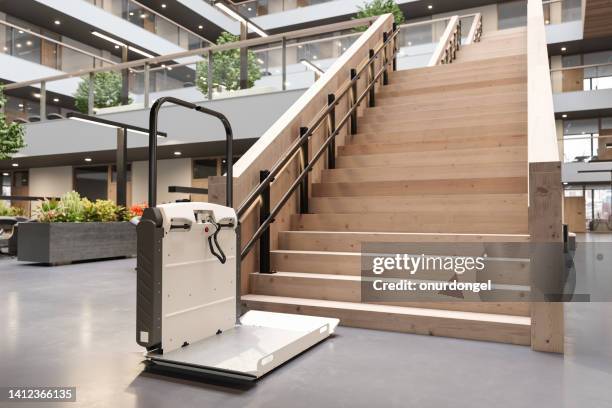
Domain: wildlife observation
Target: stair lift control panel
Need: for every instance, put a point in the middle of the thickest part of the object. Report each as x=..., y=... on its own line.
x=188, y=292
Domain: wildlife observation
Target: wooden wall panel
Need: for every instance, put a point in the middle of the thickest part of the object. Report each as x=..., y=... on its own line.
x=574, y=214
x=605, y=138
x=598, y=19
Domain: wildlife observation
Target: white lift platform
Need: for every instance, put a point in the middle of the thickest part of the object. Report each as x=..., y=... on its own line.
x=187, y=299
x=188, y=289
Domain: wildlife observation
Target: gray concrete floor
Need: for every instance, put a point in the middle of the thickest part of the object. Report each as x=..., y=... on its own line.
x=74, y=326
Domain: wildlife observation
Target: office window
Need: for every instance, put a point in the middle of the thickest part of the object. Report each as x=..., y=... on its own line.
x=91, y=182
x=204, y=168
x=512, y=14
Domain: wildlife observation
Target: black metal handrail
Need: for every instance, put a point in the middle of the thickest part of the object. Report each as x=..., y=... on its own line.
x=153, y=118
x=267, y=177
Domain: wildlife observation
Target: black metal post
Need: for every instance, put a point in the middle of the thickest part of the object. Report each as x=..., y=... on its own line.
x=304, y=185
x=244, y=74
x=121, y=163
x=395, y=47
x=125, y=79
x=372, y=98
x=264, y=213
x=354, y=102
x=385, y=60
x=331, y=149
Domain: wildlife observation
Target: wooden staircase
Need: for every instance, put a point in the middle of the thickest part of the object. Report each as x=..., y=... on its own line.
x=441, y=158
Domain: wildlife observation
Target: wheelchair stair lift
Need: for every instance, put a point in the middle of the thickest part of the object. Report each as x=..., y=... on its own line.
x=188, y=288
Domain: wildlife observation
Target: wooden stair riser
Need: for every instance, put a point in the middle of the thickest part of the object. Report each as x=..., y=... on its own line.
x=466, y=67
x=467, y=104
x=499, y=271
x=489, y=85
x=449, y=122
x=456, y=222
x=425, y=172
x=501, y=185
x=494, y=245
x=427, y=158
x=413, y=147
x=397, y=319
x=388, y=98
x=487, y=203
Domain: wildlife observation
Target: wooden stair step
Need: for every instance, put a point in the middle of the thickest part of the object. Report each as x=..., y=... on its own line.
x=482, y=82
x=483, y=54
x=449, y=122
x=451, y=133
x=442, y=114
x=491, y=185
x=425, y=172
x=487, y=203
x=384, y=98
x=446, y=323
x=434, y=78
x=475, y=142
x=491, y=63
x=416, y=221
x=505, y=271
x=349, y=241
x=466, y=103
x=433, y=157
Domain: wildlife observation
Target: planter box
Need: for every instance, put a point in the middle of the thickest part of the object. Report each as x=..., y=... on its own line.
x=65, y=242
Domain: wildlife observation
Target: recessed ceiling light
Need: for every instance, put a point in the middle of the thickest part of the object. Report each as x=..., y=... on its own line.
x=57, y=22
x=164, y=5
x=116, y=46
x=15, y=164
x=131, y=13
x=200, y=27
x=20, y=105
x=143, y=15
x=250, y=9
x=88, y=159
x=55, y=99
x=564, y=115
x=430, y=6
x=18, y=45
x=546, y=21
x=563, y=49
x=169, y=68
x=5, y=48
x=177, y=153
x=37, y=95
x=28, y=42
x=5, y=174
x=20, y=31
x=314, y=57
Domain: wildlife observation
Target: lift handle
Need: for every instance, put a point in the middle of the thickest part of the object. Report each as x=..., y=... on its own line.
x=153, y=119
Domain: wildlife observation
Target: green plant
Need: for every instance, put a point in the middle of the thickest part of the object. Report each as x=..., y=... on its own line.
x=11, y=134
x=6, y=211
x=107, y=91
x=226, y=67
x=71, y=207
x=379, y=7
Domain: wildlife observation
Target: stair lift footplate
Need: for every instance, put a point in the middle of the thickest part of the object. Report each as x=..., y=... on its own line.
x=262, y=342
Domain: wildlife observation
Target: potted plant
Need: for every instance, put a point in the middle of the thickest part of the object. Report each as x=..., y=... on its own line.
x=76, y=229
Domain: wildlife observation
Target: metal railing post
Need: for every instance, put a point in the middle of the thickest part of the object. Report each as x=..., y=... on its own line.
x=43, y=101
x=304, y=184
x=209, y=76
x=371, y=82
x=284, y=62
x=264, y=213
x=331, y=149
x=147, y=90
x=354, y=102
x=90, y=95
x=394, y=47
x=385, y=60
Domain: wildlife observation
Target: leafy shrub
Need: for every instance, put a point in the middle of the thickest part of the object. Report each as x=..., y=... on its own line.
x=71, y=207
x=11, y=134
x=107, y=91
x=6, y=211
x=377, y=8
x=226, y=67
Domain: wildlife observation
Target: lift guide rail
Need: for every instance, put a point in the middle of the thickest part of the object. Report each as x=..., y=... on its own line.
x=187, y=292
